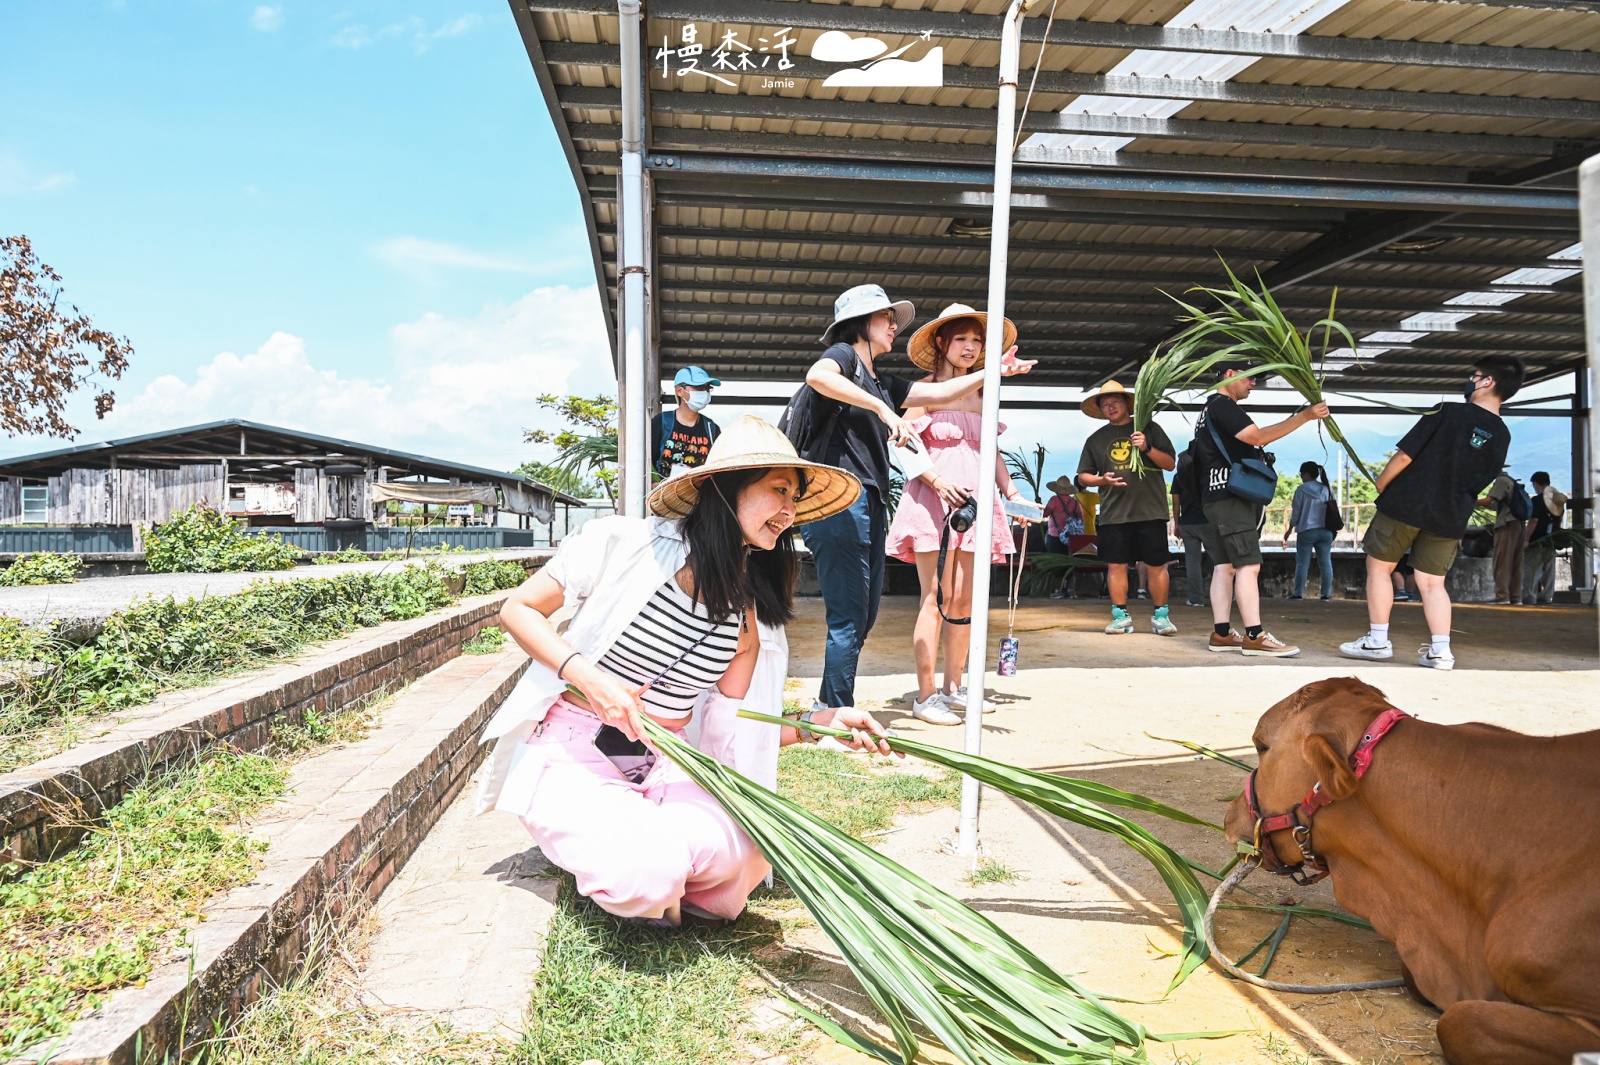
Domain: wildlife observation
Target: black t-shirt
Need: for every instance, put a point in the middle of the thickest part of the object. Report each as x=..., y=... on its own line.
x=1230, y=420
x=1186, y=487
x=1456, y=451
x=674, y=444
x=860, y=440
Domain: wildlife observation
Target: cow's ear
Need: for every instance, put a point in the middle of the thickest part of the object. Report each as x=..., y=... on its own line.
x=1338, y=780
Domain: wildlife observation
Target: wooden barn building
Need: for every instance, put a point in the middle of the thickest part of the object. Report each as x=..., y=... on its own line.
x=90, y=497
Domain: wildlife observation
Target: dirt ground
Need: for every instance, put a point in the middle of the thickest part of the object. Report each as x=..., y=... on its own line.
x=1081, y=705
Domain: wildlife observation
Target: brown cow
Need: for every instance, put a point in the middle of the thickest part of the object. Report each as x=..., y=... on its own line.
x=1470, y=847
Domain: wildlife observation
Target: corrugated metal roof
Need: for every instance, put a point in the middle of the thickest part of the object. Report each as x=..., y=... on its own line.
x=1410, y=153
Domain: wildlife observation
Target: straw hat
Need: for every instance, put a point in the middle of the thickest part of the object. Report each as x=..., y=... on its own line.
x=1091, y=405
x=755, y=443
x=1061, y=484
x=924, y=353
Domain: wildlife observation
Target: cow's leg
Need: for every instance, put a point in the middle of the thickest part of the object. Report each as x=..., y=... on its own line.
x=1411, y=986
x=1477, y=1032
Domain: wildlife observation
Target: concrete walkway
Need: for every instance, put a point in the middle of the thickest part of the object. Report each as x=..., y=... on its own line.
x=460, y=930
x=100, y=597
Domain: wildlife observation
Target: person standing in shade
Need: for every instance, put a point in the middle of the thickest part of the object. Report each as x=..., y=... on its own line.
x=1539, y=583
x=1233, y=524
x=1308, y=522
x=1426, y=495
x=1188, y=527
x=856, y=412
x=1063, y=516
x=1510, y=535
x=681, y=438
x=1132, y=525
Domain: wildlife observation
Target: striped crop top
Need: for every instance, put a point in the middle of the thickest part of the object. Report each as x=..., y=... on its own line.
x=669, y=625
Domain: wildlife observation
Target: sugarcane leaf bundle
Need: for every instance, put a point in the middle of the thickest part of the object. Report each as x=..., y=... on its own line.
x=1082, y=802
x=917, y=951
x=1174, y=368
x=1248, y=326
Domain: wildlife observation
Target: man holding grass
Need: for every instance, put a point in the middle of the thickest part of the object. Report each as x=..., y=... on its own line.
x=1426, y=495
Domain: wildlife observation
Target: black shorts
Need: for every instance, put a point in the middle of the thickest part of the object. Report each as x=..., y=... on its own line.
x=1134, y=541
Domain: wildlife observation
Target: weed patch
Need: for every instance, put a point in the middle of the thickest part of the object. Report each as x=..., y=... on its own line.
x=488, y=641
x=991, y=871
x=204, y=540
x=859, y=794
x=41, y=567
x=49, y=687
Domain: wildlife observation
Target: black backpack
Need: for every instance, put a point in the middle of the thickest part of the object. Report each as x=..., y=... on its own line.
x=799, y=420
x=1519, y=502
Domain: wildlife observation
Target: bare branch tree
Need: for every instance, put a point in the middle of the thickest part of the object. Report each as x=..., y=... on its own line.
x=48, y=348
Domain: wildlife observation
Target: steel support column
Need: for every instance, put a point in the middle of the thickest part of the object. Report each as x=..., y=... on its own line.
x=1589, y=190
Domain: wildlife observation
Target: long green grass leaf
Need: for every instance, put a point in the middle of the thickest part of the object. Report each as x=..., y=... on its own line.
x=1197, y=748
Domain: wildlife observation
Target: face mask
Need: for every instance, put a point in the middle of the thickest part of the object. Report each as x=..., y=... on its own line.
x=699, y=398
x=1470, y=390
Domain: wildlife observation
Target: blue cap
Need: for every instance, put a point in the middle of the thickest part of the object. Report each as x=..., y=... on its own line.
x=694, y=377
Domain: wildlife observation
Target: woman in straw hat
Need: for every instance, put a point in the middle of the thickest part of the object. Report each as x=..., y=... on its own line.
x=861, y=413
x=949, y=348
x=679, y=617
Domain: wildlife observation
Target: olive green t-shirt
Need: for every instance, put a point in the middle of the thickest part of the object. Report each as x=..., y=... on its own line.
x=1109, y=450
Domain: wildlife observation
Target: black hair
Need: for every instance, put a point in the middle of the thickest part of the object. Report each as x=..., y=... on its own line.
x=1507, y=371
x=853, y=330
x=1310, y=471
x=1540, y=478
x=727, y=576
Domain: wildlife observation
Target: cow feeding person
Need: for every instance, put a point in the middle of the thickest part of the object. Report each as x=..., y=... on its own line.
x=949, y=347
x=1224, y=438
x=846, y=414
x=679, y=617
x=1426, y=495
x=1132, y=524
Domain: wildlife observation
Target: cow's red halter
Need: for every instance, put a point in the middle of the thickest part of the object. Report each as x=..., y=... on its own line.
x=1316, y=799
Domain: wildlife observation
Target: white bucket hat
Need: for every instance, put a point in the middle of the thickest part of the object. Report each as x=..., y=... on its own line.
x=752, y=443
x=867, y=299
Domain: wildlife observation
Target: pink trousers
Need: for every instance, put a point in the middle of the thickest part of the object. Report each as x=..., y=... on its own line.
x=649, y=850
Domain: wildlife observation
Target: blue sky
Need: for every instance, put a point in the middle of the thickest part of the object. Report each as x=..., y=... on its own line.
x=352, y=219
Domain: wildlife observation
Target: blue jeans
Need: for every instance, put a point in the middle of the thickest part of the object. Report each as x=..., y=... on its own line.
x=1321, y=541
x=849, y=550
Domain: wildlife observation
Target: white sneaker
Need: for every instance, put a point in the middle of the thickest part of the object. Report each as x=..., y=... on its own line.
x=1121, y=622
x=934, y=710
x=958, y=700
x=1365, y=648
x=1426, y=657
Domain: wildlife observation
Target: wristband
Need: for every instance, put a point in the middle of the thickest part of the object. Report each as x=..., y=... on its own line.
x=806, y=735
x=564, y=663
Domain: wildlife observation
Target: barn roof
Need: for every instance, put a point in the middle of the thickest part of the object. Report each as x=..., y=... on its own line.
x=255, y=452
x=1420, y=157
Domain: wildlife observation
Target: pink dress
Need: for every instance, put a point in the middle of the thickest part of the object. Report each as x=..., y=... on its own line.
x=951, y=437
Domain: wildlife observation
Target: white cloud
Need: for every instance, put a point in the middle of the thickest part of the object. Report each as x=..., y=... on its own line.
x=413, y=253
x=412, y=28
x=352, y=37
x=266, y=18
x=17, y=178
x=458, y=388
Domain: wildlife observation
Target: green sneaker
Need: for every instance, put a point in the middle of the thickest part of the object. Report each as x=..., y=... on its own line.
x=1121, y=622
x=1162, y=625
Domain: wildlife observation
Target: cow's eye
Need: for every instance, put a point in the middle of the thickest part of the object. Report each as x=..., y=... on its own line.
x=1261, y=750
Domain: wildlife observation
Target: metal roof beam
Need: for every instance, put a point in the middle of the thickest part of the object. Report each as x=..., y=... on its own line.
x=668, y=138
x=895, y=241
x=1199, y=90
x=692, y=330
x=1024, y=275
x=1114, y=35
x=675, y=291
x=1445, y=199
x=928, y=116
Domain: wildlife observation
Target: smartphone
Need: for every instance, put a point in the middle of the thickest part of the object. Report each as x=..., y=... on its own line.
x=1025, y=511
x=633, y=758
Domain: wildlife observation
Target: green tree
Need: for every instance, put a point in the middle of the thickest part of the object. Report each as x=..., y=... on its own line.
x=588, y=444
x=562, y=479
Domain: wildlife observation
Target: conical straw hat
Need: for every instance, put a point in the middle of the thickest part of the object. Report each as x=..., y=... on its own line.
x=925, y=353
x=752, y=443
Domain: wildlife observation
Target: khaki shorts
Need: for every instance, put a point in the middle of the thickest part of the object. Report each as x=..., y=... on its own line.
x=1232, y=533
x=1388, y=540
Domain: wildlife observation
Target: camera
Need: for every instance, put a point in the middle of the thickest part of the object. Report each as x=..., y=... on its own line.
x=961, y=518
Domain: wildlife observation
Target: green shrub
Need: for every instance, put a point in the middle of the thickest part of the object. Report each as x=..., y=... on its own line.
x=203, y=540
x=41, y=567
x=159, y=644
x=349, y=554
x=491, y=576
x=488, y=641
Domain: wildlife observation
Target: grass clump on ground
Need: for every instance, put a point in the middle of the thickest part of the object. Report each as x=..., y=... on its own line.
x=991, y=871
x=488, y=641
x=204, y=540
x=41, y=567
x=103, y=915
x=48, y=687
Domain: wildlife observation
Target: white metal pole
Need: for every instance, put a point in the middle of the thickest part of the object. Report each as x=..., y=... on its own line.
x=989, y=445
x=1589, y=223
x=633, y=417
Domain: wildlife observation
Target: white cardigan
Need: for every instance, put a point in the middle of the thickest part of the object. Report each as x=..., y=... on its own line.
x=609, y=570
